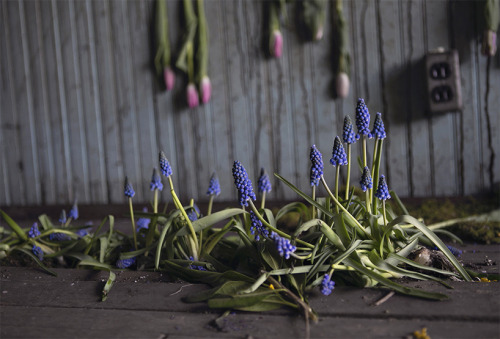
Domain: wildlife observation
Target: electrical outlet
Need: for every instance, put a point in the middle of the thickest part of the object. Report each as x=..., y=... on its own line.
x=444, y=89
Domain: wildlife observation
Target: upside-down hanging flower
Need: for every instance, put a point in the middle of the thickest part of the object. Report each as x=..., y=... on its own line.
x=263, y=184
x=192, y=95
x=366, y=180
x=243, y=184
x=214, y=186
x=34, y=231
x=275, y=37
x=316, y=166
x=162, y=57
x=156, y=181
x=339, y=157
x=256, y=227
x=362, y=119
x=283, y=245
x=382, y=190
x=327, y=285
x=128, y=190
x=378, y=127
x=165, y=167
x=205, y=89
x=348, y=135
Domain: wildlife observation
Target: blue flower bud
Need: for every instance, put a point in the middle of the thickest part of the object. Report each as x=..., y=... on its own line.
x=316, y=166
x=62, y=217
x=34, y=231
x=155, y=181
x=382, y=190
x=128, y=189
x=165, y=167
x=327, y=285
x=38, y=252
x=362, y=119
x=339, y=157
x=378, y=127
x=366, y=180
x=264, y=183
x=348, y=132
x=73, y=212
x=213, y=186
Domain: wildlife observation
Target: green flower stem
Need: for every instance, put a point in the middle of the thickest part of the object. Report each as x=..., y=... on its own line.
x=365, y=162
x=383, y=213
x=263, y=201
x=210, y=204
x=337, y=175
x=155, y=201
x=313, y=214
x=178, y=205
x=356, y=222
x=348, y=171
x=281, y=233
x=133, y=222
x=202, y=53
x=368, y=204
x=376, y=169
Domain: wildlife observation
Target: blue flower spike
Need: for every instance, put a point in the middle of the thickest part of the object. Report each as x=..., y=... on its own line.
x=378, y=127
x=283, y=245
x=38, y=252
x=125, y=263
x=327, y=285
x=316, y=165
x=348, y=135
x=34, y=231
x=128, y=189
x=143, y=223
x=366, y=180
x=62, y=217
x=73, y=212
x=264, y=183
x=256, y=227
x=382, y=190
x=165, y=167
x=362, y=119
x=243, y=184
x=156, y=181
x=339, y=156
x=213, y=186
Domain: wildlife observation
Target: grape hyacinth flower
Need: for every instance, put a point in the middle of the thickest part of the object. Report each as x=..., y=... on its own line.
x=257, y=228
x=382, y=189
x=62, y=217
x=378, y=127
x=213, y=186
x=125, y=263
x=128, y=190
x=34, y=231
x=196, y=267
x=156, y=181
x=73, y=212
x=243, y=184
x=192, y=215
x=362, y=119
x=59, y=237
x=143, y=223
x=348, y=135
x=327, y=285
x=205, y=89
x=38, y=252
x=263, y=184
x=283, y=245
x=366, y=180
x=82, y=232
x=316, y=165
x=165, y=167
x=339, y=157
x=192, y=95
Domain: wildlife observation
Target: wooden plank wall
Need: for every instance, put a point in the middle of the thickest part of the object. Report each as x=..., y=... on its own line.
x=80, y=107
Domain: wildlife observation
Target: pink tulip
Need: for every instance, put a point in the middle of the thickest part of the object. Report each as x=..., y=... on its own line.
x=277, y=47
x=169, y=77
x=205, y=89
x=192, y=95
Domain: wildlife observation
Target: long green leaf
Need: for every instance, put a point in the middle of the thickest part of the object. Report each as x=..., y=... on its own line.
x=108, y=285
x=164, y=231
x=15, y=227
x=211, y=220
x=434, y=238
x=35, y=258
x=325, y=229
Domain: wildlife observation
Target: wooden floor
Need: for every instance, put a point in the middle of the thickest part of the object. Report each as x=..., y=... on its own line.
x=149, y=305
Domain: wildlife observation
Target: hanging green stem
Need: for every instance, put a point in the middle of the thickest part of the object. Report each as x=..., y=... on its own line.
x=202, y=52
x=162, y=57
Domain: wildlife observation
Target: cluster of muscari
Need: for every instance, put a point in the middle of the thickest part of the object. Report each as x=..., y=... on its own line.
x=196, y=267
x=339, y=157
x=283, y=245
x=38, y=252
x=362, y=119
x=327, y=285
x=165, y=167
x=366, y=180
x=213, y=186
x=348, y=135
x=316, y=165
x=263, y=184
x=156, y=181
x=243, y=184
x=59, y=237
x=256, y=227
x=125, y=263
x=382, y=191
x=34, y=231
x=128, y=190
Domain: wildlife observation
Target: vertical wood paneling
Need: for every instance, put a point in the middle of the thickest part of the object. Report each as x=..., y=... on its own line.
x=81, y=106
